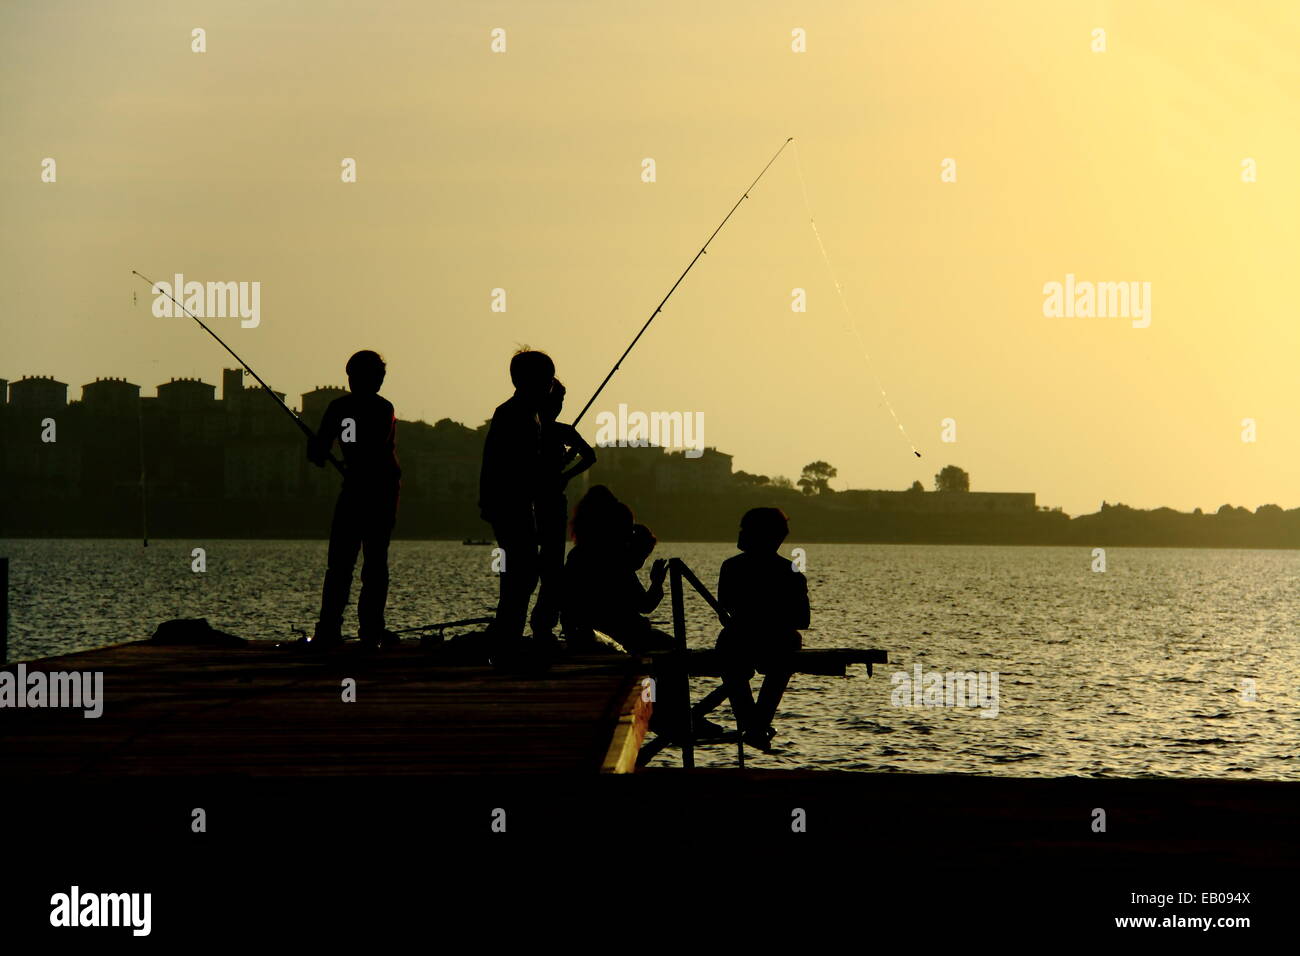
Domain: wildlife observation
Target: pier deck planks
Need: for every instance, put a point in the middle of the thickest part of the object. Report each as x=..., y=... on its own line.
x=256, y=710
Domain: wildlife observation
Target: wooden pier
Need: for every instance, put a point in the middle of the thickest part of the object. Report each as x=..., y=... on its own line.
x=228, y=707
x=257, y=710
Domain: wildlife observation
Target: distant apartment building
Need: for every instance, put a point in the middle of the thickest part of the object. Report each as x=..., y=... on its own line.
x=111, y=397
x=42, y=456
x=189, y=445
x=186, y=394
x=37, y=393
x=264, y=455
x=184, y=430
x=317, y=400
x=110, y=431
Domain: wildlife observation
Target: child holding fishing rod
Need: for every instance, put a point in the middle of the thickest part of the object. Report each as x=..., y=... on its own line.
x=365, y=427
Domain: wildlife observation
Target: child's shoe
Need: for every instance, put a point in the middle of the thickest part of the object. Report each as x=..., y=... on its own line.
x=379, y=639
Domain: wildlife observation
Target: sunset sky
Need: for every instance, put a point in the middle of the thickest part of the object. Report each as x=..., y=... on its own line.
x=522, y=170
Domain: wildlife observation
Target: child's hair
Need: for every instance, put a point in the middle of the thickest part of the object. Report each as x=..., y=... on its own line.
x=530, y=367
x=599, y=516
x=763, y=529
x=554, y=401
x=367, y=368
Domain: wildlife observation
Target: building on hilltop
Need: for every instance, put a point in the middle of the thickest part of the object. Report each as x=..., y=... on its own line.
x=649, y=471
x=677, y=473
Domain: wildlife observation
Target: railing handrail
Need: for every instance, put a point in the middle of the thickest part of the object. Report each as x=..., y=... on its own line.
x=684, y=569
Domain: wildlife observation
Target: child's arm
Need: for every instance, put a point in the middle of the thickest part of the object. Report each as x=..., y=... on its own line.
x=800, y=613
x=318, y=448
x=578, y=445
x=390, y=443
x=490, y=470
x=725, y=598
x=648, y=598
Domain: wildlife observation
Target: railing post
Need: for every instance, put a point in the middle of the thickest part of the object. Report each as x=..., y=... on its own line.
x=679, y=606
x=679, y=634
x=4, y=610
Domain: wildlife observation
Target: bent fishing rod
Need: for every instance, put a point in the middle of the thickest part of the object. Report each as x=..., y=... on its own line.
x=659, y=308
x=306, y=429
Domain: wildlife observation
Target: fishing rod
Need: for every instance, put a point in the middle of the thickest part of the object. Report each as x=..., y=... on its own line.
x=446, y=624
x=659, y=308
x=306, y=429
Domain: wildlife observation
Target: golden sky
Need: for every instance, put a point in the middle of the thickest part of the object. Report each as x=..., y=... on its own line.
x=522, y=170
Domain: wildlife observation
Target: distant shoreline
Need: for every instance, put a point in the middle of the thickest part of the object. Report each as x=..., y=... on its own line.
x=663, y=543
x=838, y=517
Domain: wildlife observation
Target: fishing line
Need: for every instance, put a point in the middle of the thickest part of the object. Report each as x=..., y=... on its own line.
x=852, y=321
x=659, y=308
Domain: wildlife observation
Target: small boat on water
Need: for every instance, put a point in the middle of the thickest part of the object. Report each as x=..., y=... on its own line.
x=476, y=541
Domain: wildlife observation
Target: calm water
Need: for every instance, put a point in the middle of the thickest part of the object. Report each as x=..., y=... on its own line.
x=1135, y=671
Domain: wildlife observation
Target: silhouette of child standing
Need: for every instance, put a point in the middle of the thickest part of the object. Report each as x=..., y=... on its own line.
x=511, y=479
x=365, y=427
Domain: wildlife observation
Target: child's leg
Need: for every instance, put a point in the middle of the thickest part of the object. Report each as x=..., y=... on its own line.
x=736, y=672
x=345, y=542
x=552, y=517
x=736, y=683
x=374, y=568
x=777, y=656
x=769, y=697
x=517, y=537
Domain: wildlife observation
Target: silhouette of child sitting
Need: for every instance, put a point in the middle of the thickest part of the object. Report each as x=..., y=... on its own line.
x=767, y=601
x=602, y=591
